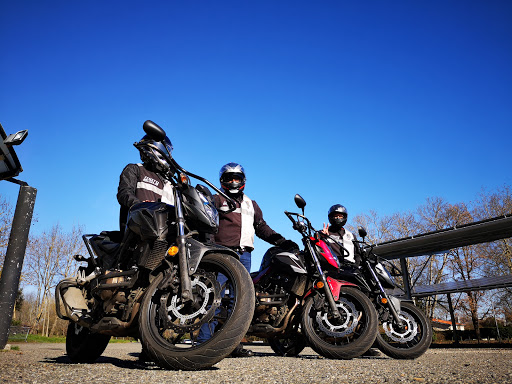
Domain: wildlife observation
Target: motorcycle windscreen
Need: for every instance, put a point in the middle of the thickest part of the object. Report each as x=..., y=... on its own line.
x=200, y=211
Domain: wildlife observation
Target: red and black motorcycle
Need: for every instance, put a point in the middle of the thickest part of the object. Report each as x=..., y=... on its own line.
x=299, y=302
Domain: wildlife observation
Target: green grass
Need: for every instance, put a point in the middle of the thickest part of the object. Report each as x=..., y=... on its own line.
x=59, y=339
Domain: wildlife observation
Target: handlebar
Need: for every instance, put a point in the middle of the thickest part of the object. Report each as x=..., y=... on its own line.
x=229, y=200
x=177, y=167
x=303, y=226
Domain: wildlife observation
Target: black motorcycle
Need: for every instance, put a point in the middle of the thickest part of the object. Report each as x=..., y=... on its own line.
x=404, y=331
x=299, y=300
x=159, y=281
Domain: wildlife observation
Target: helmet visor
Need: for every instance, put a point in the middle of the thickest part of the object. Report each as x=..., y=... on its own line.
x=165, y=146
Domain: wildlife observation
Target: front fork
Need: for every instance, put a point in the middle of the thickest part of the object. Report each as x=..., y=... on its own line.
x=384, y=295
x=183, y=253
x=323, y=279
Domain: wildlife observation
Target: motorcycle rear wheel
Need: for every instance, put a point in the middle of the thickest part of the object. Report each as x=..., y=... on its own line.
x=167, y=347
x=83, y=346
x=289, y=346
x=409, y=343
x=344, y=338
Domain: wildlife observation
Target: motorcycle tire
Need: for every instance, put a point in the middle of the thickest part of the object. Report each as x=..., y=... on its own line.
x=165, y=345
x=344, y=338
x=288, y=346
x=409, y=343
x=83, y=346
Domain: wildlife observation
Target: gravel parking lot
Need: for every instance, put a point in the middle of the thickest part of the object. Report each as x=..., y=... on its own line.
x=48, y=363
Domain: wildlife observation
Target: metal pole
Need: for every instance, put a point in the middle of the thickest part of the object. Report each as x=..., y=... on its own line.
x=454, y=323
x=496, y=321
x=406, y=277
x=9, y=281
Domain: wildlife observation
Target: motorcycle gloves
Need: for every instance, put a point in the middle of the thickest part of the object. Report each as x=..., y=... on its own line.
x=287, y=245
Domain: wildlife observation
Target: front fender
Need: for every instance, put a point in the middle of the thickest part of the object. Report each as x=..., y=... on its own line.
x=197, y=250
x=334, y=286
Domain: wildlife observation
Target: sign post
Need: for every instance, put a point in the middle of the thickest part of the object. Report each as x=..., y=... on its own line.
x=11, y=271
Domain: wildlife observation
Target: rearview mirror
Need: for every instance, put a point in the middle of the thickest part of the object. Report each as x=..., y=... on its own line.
x=153, y=130
x=299, y=201
x=362, y=232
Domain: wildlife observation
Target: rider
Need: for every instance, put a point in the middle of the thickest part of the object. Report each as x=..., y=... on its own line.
x=337, y=216
x=142, y=182
x=237, y=228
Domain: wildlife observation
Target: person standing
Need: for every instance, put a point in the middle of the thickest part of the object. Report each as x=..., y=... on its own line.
x=238, y=228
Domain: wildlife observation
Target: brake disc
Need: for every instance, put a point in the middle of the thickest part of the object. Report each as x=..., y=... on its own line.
x=189, y=316
x=410, y=329
x=349, y=318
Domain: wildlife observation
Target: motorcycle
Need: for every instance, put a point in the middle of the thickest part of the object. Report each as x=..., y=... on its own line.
x=404, y=331
x=159, y=281
x=299, y=302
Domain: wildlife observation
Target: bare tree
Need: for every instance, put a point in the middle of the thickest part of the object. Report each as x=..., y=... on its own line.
x=49, y=259
x=497, y=254
x=6, y=215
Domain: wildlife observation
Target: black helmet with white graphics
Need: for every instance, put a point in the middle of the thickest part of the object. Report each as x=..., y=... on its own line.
x=232, y=178
x=337, y=215
x=155, y=153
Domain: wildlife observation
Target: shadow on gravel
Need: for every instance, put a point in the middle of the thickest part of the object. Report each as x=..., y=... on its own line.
x=472, y=345
x=126, y=364
x=271, y=354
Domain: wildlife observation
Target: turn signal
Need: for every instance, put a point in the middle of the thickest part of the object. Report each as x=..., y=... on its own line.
x=384, y=300
x=320, y=285
x=172, y=251
x=184, y=179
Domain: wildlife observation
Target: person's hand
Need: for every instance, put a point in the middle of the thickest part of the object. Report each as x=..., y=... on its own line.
x=288, y=245
x=325, y=229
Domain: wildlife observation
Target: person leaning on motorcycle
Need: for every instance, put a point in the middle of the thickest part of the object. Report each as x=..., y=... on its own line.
x=237, y=228
x=142, y=182
x=337, y=216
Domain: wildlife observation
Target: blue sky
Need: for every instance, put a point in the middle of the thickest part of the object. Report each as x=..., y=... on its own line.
x=375, y=105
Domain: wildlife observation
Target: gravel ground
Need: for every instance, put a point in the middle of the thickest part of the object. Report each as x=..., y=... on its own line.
x=48, y=363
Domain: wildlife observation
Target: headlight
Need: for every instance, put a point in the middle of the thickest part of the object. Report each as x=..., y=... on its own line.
x=209, y=209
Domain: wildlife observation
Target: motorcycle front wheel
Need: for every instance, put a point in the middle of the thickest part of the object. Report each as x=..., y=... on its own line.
x=347, y=337
x=412, y=340
x=222, y=307
x=83, y=346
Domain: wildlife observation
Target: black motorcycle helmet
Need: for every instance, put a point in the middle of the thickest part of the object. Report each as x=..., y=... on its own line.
x=157, y=159
x=232, y=178
x=337, y=221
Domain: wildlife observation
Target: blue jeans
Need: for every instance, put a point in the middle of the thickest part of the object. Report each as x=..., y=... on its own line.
x=206, y=331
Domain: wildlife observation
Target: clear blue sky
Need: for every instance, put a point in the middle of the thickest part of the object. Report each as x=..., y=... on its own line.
x=375, y=105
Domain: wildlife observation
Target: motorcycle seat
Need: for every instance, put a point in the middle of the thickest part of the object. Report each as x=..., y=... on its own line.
x=105, y=245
